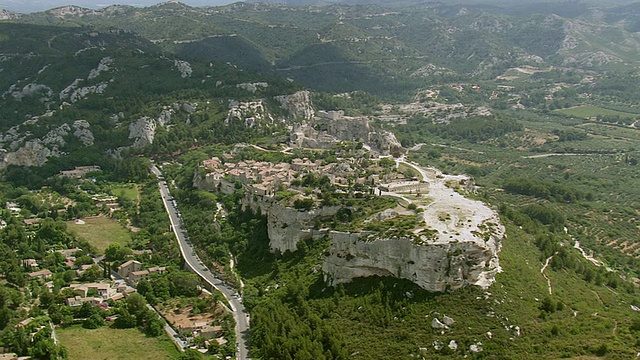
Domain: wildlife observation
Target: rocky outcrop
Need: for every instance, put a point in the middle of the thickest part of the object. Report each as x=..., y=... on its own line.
x=435, y=267
x=251, y=113
x=29, y=90
x=71, y=10
x=287, y=226
x=432, y=70
x=8, y=15
x=252, y=87
x=455, y=244
x=21, y=149
x=385, y=141
x=184, y=68
x=55, y=138
x=330, y=127
x=305, y=136
x=164, y=118
x=143, y=131
x=32, y=153
x=74, y=93
x=82, y=132
x=189, y=107
x=298, y=105
x=102, y=67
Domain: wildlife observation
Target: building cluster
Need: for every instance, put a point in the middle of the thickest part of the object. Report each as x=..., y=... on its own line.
x=41, y=274
x=201, y=328
x=79, y=171
x=69, y=256
x=32, y=264
x=132, y=271
x=264, y=178
x=97, y=293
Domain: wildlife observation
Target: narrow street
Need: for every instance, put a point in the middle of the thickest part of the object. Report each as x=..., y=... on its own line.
x=191, y=259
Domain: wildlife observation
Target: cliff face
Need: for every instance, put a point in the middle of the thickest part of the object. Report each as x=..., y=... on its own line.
x=287, y=226
x=17, y=149
x=252, y=113
x=33, y=153
x=298, y=105
x=143, y=131
x=455, y=244
x=328, y=128
x=434, y=267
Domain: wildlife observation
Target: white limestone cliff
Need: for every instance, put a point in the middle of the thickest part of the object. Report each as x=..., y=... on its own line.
x=55, y=137
x=305, y=136
x=103, y=66
x=439, y=265
x=143, y=131
x=71, y=10
x=435, y=267
x=331, y=127
x=29, y=90
x=297, y=104
x=184, y=68
x=287, y=226
x=251, y=113
x=74, y=93
x=252, y=87
x=8, y=15
x=82, y=132
x=32, y=153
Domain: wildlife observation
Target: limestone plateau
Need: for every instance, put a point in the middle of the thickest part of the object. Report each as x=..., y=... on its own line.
x=432, y=235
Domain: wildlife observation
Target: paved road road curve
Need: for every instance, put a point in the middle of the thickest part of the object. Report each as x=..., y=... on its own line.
x=193, y=262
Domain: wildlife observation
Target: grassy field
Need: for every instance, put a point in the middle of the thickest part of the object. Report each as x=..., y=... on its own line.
x=588, y=111
x=100, y=231
x=106, y=343
x=128, y=191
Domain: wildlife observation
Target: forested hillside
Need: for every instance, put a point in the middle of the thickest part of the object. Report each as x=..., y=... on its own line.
x=530, y=109
x=374, y=48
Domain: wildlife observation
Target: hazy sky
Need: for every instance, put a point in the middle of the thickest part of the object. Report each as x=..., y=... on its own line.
x=25, y=6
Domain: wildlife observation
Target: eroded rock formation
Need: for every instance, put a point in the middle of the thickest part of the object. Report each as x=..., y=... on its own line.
x=252, y=113
x=434, y=267
x=143, y=131
x=298, y=105
x=330, y=127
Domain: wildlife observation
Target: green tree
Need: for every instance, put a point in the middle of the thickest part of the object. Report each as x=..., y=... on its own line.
x=125, y=320
x=116, y=252
x=93, y=322
x=136, y=304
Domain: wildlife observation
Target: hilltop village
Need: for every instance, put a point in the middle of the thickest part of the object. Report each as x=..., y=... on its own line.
x=423, y=211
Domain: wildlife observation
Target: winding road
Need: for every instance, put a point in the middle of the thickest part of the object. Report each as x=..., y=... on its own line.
x=240, y=315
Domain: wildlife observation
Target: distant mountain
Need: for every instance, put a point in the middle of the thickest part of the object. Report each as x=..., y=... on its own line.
x=8, y=15
x=29, y=6
x=294, y=2
x=375, y=47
